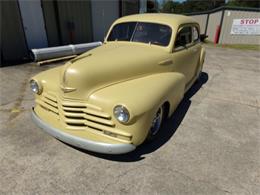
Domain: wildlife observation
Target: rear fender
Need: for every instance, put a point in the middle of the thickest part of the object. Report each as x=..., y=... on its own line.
x=202, y=58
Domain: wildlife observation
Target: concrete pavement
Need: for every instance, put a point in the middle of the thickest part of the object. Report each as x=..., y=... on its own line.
x=211, y=145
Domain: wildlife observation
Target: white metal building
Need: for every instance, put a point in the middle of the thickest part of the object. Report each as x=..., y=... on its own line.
x=39, y=23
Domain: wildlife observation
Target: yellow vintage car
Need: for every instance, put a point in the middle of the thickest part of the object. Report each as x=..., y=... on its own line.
x=114, y=97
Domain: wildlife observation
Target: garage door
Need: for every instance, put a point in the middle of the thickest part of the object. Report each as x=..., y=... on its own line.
x=13, y=44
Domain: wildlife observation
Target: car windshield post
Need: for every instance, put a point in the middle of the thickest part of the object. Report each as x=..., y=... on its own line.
x=134, y=32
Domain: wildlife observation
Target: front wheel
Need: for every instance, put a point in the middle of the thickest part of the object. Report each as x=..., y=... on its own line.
x=199, y=76
x=156, y=124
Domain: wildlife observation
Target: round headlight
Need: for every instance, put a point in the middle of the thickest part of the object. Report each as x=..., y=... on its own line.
x=35, y=87
x=121, y=114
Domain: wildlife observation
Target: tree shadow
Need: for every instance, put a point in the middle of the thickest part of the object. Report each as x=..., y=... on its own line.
x=168, y=130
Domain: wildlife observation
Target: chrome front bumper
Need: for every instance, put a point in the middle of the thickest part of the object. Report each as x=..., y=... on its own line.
x=83, y=143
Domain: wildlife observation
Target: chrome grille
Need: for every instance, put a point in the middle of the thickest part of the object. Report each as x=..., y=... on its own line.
x=85, y=115
x=48, y=102
x=82, y=116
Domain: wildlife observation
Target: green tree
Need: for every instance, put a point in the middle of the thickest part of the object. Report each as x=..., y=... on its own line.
x=168, y=7
x=191, y=6
x=244, y=3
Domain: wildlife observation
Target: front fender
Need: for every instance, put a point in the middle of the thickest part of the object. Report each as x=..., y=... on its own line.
x=142, y=95
x=49, y=79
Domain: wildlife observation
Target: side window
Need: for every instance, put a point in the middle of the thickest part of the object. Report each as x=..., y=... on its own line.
x=195, y=33
x=184, y=37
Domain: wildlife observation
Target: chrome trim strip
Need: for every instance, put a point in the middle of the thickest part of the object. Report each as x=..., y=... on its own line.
x=93, y=146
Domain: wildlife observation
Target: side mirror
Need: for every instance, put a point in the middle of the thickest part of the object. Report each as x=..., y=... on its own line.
x=203, y=37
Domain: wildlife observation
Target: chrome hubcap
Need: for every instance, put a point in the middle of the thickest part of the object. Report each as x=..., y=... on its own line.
x=157, y=121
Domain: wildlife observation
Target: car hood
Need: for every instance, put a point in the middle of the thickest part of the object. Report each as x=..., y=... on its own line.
x=109, y=64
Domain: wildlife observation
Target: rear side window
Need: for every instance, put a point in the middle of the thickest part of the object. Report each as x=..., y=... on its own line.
x=195, y=33
x=184, y=37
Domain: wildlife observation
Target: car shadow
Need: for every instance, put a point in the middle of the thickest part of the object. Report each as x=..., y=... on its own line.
x=168, y=130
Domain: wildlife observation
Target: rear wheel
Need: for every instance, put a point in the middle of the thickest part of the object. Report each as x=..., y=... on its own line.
x=156, y=123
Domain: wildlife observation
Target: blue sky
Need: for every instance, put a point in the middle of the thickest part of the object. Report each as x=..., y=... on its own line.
x=175, y=0
x=179, y=0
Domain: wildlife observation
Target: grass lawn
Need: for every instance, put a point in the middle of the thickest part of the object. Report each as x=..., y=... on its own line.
x=234, y=46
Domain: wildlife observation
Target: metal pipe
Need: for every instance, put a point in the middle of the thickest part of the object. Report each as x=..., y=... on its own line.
x=62, y=51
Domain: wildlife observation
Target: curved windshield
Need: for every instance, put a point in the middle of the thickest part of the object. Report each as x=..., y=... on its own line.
x=143, y=32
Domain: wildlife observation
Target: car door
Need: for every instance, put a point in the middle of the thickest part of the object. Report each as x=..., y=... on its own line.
x=196, y=48
x=185, y=51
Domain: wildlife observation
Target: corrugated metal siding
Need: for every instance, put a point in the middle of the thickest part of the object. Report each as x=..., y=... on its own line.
x=130, y=7
x=214, y=21
x=202, y=20
x=51, y=23
x=13, y=44
x=104, y=13
x=77, y=13
x=227, y=38
x=33, y=23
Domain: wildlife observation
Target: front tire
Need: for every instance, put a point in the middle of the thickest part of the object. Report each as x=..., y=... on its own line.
x=156, y=124
x=198, y=80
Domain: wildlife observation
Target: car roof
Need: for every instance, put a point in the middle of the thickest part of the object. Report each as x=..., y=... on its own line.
x=173, y=20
